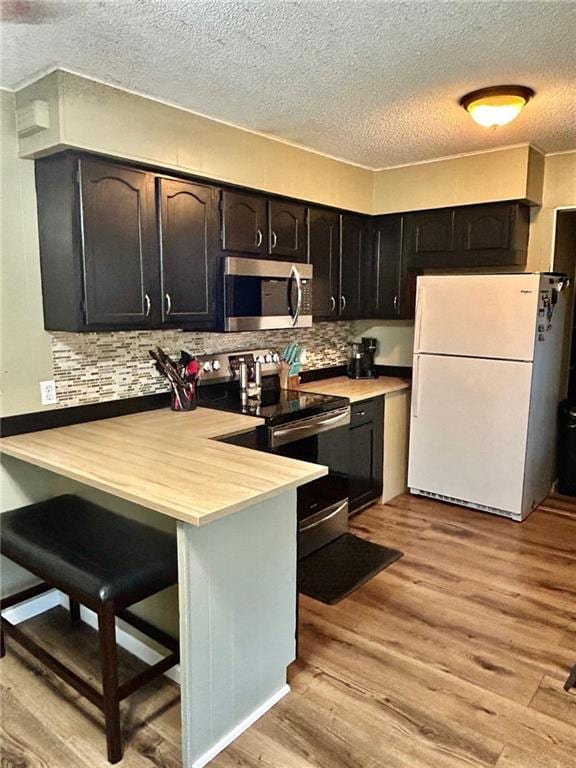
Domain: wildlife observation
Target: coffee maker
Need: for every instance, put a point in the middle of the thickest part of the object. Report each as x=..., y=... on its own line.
x=361, y=363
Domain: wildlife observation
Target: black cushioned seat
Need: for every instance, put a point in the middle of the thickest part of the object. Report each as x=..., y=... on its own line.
x=68, y=541
x=103, y=561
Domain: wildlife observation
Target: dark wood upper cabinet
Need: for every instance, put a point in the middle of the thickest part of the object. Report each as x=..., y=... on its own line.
x=117, y=237
x=429, y=233
x=354, y=266
x=97, y=244
x=287, y=231
x=387, y=273
x=492, y=234
x=124, y=247
x=244, y=223
x=486, y=235
x=324, y=255
x=188, y=219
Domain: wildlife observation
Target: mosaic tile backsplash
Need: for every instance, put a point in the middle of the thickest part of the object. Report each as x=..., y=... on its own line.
x=95, y=367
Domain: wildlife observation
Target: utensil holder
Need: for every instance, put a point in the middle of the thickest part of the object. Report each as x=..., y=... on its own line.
x=184, y=398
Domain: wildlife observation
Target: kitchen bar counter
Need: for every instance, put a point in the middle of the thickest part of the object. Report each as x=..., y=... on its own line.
x=236, y=576
x=356, y=389
x=166, y=461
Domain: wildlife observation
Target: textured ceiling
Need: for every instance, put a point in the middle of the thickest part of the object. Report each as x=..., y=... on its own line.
x=376, y=82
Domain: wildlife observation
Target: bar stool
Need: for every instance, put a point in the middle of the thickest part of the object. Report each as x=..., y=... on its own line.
x=100, y=560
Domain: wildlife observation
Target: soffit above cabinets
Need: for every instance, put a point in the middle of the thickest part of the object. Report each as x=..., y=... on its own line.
x=372, y=83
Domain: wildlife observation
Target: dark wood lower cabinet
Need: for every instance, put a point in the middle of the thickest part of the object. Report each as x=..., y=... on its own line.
x=366, y=452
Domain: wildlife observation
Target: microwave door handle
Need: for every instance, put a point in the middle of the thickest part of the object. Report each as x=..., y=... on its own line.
x=296, y=275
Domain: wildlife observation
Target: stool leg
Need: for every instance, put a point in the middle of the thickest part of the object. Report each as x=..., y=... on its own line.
x=74, y=611
x=109, y=661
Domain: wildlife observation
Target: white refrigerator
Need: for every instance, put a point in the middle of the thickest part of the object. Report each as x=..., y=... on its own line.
x=486, y=380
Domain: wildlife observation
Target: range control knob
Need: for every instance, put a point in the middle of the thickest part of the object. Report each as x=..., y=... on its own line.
x=276, y=358
x=207, y=367
x=216, y=365
x=260, y=359
x=268, y=358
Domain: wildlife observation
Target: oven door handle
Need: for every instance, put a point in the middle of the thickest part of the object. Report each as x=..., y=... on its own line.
x=309, y=427
x=339, y=508
x=295, y=275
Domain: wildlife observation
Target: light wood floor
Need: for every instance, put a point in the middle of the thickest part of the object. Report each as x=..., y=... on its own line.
x=454, y=656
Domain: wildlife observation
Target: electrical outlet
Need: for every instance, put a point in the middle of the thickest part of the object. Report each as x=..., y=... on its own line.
x=48, y=392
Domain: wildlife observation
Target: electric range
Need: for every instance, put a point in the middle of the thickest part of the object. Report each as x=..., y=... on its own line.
x=299, y=425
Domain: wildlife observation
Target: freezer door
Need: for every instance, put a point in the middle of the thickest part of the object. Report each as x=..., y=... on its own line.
x=491, y=316
x=469, y=429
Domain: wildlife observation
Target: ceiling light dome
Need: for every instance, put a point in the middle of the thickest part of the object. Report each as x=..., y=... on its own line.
x=498, y=105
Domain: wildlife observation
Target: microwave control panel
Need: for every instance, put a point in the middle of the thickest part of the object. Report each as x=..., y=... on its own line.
x=306, y=308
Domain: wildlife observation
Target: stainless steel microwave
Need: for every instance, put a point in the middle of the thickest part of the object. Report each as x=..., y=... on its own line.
x=260, y=294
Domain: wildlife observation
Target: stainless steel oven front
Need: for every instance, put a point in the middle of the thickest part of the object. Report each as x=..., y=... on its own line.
x=260, y=294
x=323, y=503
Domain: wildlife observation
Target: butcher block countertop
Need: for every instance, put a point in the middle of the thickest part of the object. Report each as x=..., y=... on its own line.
x=166, y=461
x=356, y=389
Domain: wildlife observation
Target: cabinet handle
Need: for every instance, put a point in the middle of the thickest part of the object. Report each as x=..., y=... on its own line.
x=258, y=238
x=148, y=304
x=396, y=303
x=168, y=305
x=342, y=303
x=332, y=304
x=360, y=413
x=274, y=239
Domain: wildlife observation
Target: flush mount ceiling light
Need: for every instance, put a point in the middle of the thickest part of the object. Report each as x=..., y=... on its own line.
x=498, y=105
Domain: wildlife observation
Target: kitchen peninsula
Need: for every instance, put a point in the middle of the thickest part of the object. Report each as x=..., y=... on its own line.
x=236, y=531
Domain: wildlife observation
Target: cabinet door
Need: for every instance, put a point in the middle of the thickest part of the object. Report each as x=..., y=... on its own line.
x=492, y=235
x=366, y=452
x=324, y=255
x=287, y=231
x=118, y=258
x=353, y=267
x=387, y=266
x=244, y=223
x=430, y=238
x=188, y=247
x=483, y=227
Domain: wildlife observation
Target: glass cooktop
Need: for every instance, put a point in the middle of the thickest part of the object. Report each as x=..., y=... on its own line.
x=276, y=406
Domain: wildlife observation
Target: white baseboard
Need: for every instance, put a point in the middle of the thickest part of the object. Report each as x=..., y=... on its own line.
x=33, y=607
x=240, y=728
x=37, y=605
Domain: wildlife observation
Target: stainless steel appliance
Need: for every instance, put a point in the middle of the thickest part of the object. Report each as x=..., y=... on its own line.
x=361, y=364
x=261, y=294
x=300, y=425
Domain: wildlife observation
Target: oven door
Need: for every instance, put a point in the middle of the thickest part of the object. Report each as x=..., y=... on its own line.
x=261, y=294
x=323, y=503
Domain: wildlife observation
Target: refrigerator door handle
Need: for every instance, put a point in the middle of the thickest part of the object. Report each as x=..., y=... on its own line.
x=419, y=312
x=416, y=387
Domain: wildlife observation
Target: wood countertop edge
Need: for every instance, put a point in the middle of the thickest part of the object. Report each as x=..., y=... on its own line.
x=344, y=387
x=195, y=517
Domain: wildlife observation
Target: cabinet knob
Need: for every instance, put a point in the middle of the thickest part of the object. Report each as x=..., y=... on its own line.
x=168, y=305
x=360, y=413
x=148, y=304
x=396, y=303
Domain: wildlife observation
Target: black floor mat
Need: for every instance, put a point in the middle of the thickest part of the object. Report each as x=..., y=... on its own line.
x=332, y=573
